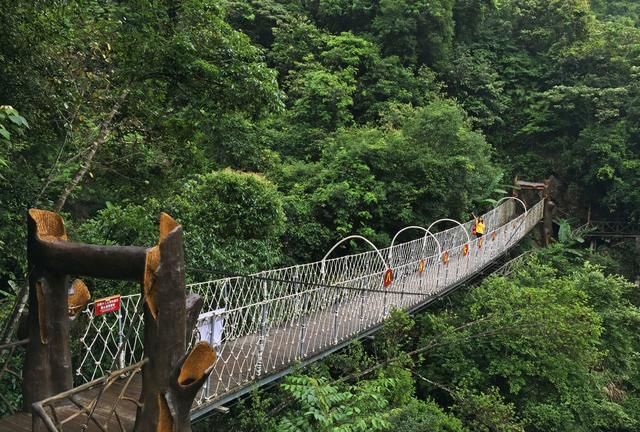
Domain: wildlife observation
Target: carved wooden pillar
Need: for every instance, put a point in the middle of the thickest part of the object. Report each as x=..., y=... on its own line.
x=550, y=187
x=170, y=379
x=637, y=254
x=47, y=369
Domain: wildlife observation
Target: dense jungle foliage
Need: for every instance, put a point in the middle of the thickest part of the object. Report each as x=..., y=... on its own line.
x=272, y=128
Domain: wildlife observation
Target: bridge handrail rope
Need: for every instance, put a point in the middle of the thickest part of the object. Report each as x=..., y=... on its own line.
x=449, y=233
x=611, y=228
x=501, y=200
x=310, y=284
x=454, y=221
x=309, y=309
x=427, y=233
x=305, y=266
x=351, y=237
x=110, y=376
x=108, y=331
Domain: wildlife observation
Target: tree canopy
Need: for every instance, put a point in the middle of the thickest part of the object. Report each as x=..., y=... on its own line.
x=273, y=128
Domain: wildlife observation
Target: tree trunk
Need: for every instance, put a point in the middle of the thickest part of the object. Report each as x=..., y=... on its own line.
x=105, y=129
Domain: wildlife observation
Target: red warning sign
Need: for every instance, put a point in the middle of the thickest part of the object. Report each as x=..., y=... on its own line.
x=421, y=266
x=445, y=257
x=465, y=249
x=388, y=278
x=106, y=305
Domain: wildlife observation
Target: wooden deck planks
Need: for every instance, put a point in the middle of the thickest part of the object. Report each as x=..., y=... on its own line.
x=16, y=423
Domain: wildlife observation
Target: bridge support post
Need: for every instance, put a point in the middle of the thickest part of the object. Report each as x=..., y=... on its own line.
x=439, y=263
x=171, y=379
x=547, y=222
x=264, y=314
x=122, y=361
x=336, y=313
x=303, y=327
x=404, y=288
x=385, y=306
x=446, y=274
x=361, y=315
x=457, y=257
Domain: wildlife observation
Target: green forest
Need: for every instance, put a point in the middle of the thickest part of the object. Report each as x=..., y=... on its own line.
x=271, y=129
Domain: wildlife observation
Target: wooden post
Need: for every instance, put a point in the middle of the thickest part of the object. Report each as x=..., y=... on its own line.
x=171, y=379
x=547, y=222
x=637, y=244
x=47, y=367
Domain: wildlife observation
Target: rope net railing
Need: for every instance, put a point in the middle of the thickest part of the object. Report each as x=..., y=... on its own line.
x=107, y=341
x=263, y=323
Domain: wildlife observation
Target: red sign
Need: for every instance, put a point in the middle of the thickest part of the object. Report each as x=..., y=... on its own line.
x=465, y=249
x=421, y=266
x=388, y=278
x=106, y=305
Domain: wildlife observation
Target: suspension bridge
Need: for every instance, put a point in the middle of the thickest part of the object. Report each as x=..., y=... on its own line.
x=266, y=324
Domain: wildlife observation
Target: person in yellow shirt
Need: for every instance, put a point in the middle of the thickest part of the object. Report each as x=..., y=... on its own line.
x=479, y=227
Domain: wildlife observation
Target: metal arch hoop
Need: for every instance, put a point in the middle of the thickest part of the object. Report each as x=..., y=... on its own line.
x=386, y=266
x=524, y=206
x=427, y=232
x=454, y=221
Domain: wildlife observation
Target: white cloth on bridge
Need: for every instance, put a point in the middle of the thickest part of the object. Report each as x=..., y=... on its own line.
x=211, y=326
